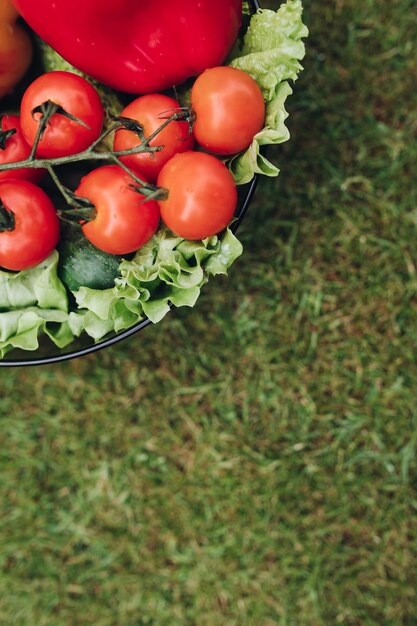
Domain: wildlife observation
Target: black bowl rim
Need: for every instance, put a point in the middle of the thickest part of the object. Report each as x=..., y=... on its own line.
x=66, y=356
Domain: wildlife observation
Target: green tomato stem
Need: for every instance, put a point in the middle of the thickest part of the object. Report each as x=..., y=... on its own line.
x=5, y=134
x=92, y=153
x=7, y=219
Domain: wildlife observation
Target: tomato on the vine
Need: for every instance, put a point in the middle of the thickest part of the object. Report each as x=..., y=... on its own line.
x=124, y=220
x=229, y=108
x=29, y=225
x=202, y=195
x=13, y=148
x=151, y=111
x=63, y=136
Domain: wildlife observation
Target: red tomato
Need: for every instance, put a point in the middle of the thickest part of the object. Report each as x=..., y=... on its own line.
x=202, y=195
x=16, y=149
x=29, y=225
x=62, y=136
x=230, y=110
x=175, y=137
x=124, y=221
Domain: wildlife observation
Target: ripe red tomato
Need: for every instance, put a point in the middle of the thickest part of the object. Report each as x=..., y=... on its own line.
x=202, y=195
x=230, y=110
x=16, y=149
x=62, y=136
x=29, y=225
x=147, y=110
x=124, y=221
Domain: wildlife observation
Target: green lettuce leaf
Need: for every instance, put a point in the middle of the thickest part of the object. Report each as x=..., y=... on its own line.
x=38, y=286
x=32, y=302
x=167, y=271
x=244, y=166
x=271, y=54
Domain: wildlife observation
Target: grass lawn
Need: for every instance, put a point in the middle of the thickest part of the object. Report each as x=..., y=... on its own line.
x=251, y=462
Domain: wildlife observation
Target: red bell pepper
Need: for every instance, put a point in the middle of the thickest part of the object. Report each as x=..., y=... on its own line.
x=138, y=46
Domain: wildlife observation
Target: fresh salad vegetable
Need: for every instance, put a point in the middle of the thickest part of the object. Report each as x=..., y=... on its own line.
x=137, y=46
x=229, y=108
x=135, y=248
x=202, y=195
x=150, y=111
x=74, y=125
x=271, y=54
x=29, y=225
x=83, y=265
x=121, y=220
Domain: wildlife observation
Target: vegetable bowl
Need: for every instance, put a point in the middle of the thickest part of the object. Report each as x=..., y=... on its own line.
x=137, y=233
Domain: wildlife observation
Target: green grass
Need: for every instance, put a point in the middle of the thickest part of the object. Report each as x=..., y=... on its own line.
x=251, y=462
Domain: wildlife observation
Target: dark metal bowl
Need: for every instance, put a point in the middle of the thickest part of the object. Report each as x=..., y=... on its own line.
x=49, y=353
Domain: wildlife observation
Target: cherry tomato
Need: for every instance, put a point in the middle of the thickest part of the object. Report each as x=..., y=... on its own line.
x=16, y=149
x=202, y=195
x=230, y=110
x=124, y=221
x=150, y=112
x=29, y=225
x=63, y=136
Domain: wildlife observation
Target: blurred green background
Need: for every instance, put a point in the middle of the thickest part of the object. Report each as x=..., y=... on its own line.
x=251, y=462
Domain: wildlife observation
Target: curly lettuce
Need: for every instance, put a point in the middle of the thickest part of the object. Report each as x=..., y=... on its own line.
x=33, y=302
x=166, y=271
x=271, y=54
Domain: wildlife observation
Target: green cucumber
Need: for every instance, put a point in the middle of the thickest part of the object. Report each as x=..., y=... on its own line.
x=83, y=265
